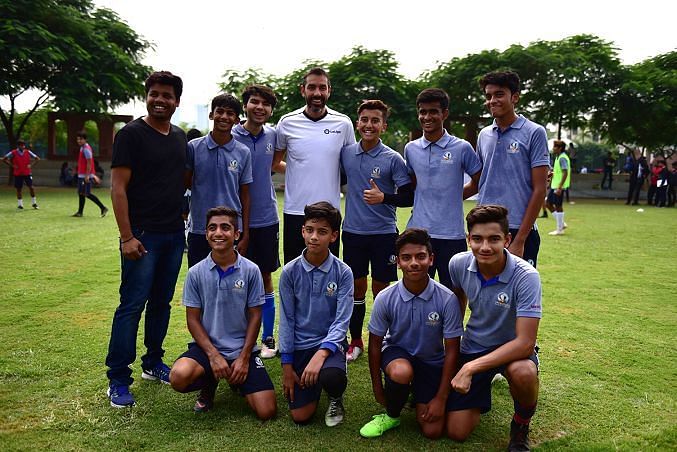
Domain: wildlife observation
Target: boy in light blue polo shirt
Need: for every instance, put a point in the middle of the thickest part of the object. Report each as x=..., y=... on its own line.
x=264, y=224
x=515, y=160
x=223, y=295
x=218, y=172
x=414, y=336
x=378, y=181
x=316, y=301
x=503, y=292
x=437, y=162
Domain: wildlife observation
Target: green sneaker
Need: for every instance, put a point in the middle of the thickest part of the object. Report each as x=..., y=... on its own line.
x=378, y=425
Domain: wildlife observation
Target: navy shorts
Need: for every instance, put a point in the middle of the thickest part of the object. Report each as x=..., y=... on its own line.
x=84, y=188
x=479, y=395
x=554, y=199
x=379, y=249
x=303, y=397
x=257, y=379
x=444, y=250
x=426, y=376
x=19, y=181
x=531, y=245
x=264, y=247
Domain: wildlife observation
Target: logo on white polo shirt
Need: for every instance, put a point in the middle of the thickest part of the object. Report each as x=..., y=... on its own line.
x=232, y=166
x=327, y=131
x=376, y=172
x=269, y=148
x=239, y=284
x=447, y=158
x=331, y=289
x=433, y=319
x=503, y=300
x=514, y=148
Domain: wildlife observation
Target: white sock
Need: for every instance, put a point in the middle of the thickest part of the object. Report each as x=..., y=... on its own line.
x=20, y=202
x=33, y=200
x=560, y=220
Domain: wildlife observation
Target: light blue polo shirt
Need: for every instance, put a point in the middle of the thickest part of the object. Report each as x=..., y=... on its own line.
x=417, y=323
x=224, y=300
x=438, y=199
x=263, y=202
x=507, y=159
x=388, y=170
x=495, y=304
x=218, y=172
x=315, y=305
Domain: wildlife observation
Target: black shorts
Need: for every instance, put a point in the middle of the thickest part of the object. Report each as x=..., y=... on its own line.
x=426, y=376
x=19, y=181
x=305, y=396
x=379, y=249
x=554, y=199
x=264, y=247
x=531, y=246
x=479, y=395
x=292, y=240
x=84, y=188
x=257, y=378
x=444, y=250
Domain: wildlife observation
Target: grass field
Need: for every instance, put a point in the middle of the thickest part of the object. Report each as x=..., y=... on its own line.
x=607, y=338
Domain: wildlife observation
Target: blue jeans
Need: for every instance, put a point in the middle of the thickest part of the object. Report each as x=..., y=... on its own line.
x=145, y=283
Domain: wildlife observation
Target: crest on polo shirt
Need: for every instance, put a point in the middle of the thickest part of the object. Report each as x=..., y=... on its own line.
x=331, y=289
x=239, y=284
x=376, y=172
x=447, y=158
x=433, y=318
x=269, y=148
x=503, y=300
x=392, y=260
x=233, y=165
x=514, y=148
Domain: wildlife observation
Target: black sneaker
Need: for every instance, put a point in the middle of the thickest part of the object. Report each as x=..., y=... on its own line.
x=268, y=348
x=519, y=437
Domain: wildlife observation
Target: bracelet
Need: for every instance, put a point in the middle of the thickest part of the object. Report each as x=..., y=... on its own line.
x=125, y=241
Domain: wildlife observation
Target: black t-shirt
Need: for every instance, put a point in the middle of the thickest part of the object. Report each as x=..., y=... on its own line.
x=155, y=190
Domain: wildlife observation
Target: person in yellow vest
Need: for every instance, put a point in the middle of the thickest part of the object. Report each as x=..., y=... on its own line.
x=560, y=181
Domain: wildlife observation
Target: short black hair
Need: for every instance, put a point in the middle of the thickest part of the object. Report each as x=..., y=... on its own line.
x=223, y=211
x=82, y=134
x=323, y=211
x=374, y=104
x=227, y=101
x=488, y=213
x=508, y=79
x=415, y=236
x=192, y=134
x=165, y=78
x=429, y=95
x=259, y=90
x=316, y=71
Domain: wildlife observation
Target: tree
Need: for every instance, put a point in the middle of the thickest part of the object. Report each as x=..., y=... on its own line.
x=642, y=111
x=73, y=55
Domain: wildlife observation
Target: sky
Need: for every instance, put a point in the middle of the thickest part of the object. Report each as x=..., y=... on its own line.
x=200, y=39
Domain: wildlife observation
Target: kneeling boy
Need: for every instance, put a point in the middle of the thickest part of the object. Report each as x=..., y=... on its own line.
x=504, y=295
x=316, y=301
x=423, y=323
x=223, y=295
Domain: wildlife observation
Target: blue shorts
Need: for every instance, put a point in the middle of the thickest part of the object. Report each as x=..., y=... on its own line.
x=84, y=188
x=257, y=379
x=479, y=395
x=554, y=199
x=19, y=181
x=264, y=247
x=303, y=397
x=379, y=249
x=426, y=376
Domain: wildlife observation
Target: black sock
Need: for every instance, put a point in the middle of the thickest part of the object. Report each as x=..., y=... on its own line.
x=202, y=382
x=523, y=414
x=334, y=381
x=81, y=204
x=396, y=397
x=357, y=319
x=96, y=201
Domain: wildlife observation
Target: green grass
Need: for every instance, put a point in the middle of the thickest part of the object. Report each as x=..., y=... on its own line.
x=607, y=346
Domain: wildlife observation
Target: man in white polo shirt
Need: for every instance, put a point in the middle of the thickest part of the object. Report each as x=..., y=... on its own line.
x=312, y=138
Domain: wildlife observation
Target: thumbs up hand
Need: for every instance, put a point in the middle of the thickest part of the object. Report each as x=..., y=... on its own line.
x=373, y=195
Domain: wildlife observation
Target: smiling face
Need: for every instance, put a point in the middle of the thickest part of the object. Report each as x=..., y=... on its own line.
x=371, y=125
x=487, y=242
x=500, y=101
x=414, y=260
x=222, y=232
x=161, y=102
x=224, y=119
x=431, y=116
x=258, y=110
x=316, y=92
x=318, y=235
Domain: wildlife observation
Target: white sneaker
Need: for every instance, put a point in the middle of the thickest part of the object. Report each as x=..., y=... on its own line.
x=557, y=232
x=565, y=225
x=268, y=349
x=335, y=412
x=354, y=352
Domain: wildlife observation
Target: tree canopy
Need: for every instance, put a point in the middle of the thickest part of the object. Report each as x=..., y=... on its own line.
x=75, y=56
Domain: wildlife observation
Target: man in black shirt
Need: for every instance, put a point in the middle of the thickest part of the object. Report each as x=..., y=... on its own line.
x=149, y=156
